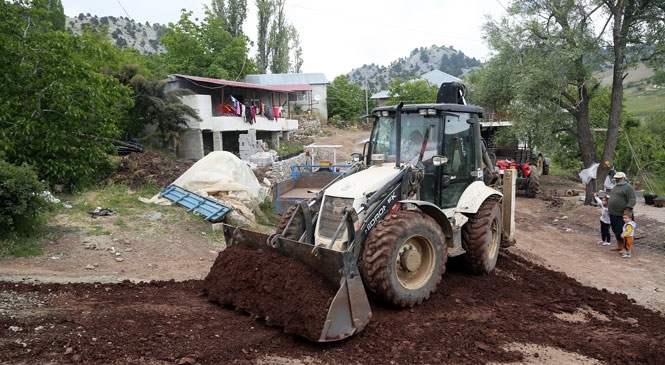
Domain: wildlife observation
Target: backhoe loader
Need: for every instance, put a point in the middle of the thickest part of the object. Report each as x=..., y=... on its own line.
x=424, y=189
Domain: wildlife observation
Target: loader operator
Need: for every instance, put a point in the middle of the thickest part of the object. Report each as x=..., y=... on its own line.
x=416, y=147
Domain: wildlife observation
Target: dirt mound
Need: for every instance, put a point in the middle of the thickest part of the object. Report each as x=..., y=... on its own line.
x=272, y=287
x=138, y=168
x=469, y=320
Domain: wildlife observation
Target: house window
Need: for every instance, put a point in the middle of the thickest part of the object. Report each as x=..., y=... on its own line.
x=298, y=96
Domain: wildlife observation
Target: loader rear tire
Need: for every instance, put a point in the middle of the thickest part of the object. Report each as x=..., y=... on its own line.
x=403, y=259
x=481, y=238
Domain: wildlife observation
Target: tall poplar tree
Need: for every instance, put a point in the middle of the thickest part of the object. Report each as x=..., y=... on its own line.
x=233, y=12
x=265, y=10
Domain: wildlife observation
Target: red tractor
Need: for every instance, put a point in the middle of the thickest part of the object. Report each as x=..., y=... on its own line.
x=527, y=175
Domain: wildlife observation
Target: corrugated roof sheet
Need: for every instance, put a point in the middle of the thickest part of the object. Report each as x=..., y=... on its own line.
x=279, y=88
x=438, y=77
x=383, y=94
x=287, y=79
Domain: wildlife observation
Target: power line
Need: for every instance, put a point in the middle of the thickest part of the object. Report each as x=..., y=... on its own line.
x=123, y=9
x=499, y=2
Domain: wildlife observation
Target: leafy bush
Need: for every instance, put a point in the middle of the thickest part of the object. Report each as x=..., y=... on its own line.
x=20, y=194
x=337, y=121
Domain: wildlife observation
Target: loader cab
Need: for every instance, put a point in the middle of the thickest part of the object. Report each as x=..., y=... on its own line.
x=449, y=130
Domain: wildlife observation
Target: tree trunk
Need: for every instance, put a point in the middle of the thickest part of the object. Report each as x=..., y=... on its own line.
x=620, y=28
x=585, y=138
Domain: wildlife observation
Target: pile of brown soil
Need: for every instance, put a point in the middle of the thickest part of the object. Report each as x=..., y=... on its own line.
x=283, y=291
x=469, y=320
x=138, y=168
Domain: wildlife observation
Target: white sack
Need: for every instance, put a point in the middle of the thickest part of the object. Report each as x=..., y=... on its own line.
x=589, y=173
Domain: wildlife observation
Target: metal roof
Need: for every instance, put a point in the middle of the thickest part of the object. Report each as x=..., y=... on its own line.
x=278, y=88
x=383, y=94
x=438, y=77
x=287, y=79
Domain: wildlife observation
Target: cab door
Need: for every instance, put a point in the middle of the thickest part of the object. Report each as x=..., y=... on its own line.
x=456, y=175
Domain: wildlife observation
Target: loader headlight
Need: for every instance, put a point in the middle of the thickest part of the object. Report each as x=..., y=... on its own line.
x=427, y=111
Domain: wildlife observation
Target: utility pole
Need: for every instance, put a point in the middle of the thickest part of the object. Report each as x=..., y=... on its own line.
x=366, y=96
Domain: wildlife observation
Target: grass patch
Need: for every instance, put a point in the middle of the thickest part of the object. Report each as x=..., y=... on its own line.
x=643, y=101
x=558, y=171
x=18, y=245
x=76, y=207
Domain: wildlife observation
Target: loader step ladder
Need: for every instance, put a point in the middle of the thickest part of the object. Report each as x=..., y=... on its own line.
x=213, y=210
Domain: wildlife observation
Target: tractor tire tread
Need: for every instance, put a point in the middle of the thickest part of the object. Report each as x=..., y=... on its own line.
x=377, y=258
x=475, y=238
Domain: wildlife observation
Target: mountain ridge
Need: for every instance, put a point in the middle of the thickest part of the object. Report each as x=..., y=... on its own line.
x=125, y=32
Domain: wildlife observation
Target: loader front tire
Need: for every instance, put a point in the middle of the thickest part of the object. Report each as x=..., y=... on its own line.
x=297, y=227
x=403, y=259
x=481, y=238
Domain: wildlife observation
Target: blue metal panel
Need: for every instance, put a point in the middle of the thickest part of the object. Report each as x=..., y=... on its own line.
x=298, y=170
x=212, y=209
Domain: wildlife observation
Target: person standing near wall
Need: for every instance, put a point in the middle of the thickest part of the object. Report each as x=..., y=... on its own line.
x=622, y=200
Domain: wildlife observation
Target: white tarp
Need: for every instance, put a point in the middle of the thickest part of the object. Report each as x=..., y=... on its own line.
x=591, y=173
x=222, y=175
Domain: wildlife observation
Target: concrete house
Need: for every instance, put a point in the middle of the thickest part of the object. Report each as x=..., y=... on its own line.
x=312, y=101
x=236, y=116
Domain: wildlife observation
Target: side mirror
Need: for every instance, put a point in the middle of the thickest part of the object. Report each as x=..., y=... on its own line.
x=439, y=160
x=356, y=157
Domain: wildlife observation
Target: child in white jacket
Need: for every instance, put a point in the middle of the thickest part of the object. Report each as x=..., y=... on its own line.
x=604, y=220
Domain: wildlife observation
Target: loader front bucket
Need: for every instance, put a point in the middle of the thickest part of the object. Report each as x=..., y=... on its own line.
x=332, y=303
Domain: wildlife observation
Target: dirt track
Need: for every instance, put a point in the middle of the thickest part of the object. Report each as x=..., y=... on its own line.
x=470, y=320
x=522, y=313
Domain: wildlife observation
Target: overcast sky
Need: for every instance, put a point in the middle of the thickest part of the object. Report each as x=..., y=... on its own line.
x=339, y=35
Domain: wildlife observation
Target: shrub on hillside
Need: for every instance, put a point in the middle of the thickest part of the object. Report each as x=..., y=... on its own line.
x=20, y=194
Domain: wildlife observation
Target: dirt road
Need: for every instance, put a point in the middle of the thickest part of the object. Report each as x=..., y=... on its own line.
x=555, y=297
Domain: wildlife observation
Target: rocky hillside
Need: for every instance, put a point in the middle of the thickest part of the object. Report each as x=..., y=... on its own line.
x=420, y=61
x=123, y=32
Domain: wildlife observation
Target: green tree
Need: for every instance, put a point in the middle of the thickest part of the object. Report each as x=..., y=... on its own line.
x=413, y=91
x=20, y=192
x=61, y=108
x=279, y=40
x=294, y=46
x=633, y=23
x=153, y=106
x=265, y=9
x=275, y=38
x=55, y=13
x=551, y=51
x=345, y=99
x=205, y=49
x=234, y=14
